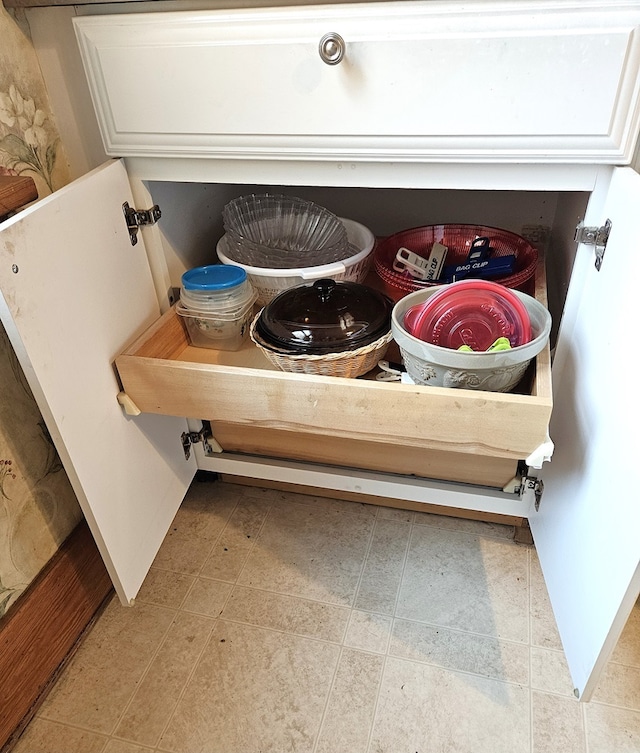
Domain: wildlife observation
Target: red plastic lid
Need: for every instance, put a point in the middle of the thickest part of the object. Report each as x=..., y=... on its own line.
x=470, y=312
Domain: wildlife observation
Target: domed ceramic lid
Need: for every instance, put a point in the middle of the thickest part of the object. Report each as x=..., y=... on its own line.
x=325, y=316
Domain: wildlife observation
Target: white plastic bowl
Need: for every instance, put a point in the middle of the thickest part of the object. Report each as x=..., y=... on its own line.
x=498, y=371
x=269, y=282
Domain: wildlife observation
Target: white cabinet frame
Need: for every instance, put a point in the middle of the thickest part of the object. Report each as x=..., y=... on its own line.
x=586, y=525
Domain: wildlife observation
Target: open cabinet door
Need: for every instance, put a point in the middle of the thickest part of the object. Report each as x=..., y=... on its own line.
x=75, y=292
x=587, y=528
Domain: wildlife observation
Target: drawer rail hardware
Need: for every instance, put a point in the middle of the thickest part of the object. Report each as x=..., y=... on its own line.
x=594, y=236
x=136, y=218
x=205, y=435
x=531, y=485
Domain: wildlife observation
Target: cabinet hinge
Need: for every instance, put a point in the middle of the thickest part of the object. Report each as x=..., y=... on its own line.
x=193, y=437
x=594, y=236
x=531, y=486
x=135, y=218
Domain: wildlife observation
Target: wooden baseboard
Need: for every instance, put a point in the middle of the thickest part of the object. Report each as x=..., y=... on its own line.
x=44, y=626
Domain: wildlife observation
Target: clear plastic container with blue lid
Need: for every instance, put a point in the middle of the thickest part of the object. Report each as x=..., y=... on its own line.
x=216, y=287
x=216, y=304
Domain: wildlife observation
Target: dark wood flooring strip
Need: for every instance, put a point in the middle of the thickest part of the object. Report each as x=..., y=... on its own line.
x=42, y=628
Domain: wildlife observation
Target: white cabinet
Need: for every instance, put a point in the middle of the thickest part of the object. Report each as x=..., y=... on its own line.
x=432, y=100
x=419, y=81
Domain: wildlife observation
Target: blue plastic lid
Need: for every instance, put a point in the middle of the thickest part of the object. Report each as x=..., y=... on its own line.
x=213, y=277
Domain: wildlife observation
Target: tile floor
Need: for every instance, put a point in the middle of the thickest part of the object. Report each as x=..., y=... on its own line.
x=274, y=622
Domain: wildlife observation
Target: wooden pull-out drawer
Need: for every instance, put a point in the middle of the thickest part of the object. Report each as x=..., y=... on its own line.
x=461, y=435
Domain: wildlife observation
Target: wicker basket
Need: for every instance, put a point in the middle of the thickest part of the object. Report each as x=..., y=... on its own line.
x=457, y=238
x=350, y=363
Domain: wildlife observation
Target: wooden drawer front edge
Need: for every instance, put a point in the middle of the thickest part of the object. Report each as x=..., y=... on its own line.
x=509, y=426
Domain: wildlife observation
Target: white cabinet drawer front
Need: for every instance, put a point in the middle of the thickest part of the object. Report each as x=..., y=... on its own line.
x=419, y=80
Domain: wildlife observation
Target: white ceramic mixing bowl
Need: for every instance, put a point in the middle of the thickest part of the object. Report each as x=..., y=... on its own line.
x=497, y=371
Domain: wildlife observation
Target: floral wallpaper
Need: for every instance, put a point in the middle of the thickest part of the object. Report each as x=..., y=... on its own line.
x=26, y=144
x=29, y=141
x=38, y=508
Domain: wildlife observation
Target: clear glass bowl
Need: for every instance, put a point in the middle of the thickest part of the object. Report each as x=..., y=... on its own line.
x=283, y=232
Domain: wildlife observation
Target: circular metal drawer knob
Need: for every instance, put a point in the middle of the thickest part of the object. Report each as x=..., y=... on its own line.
x=332, y=48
